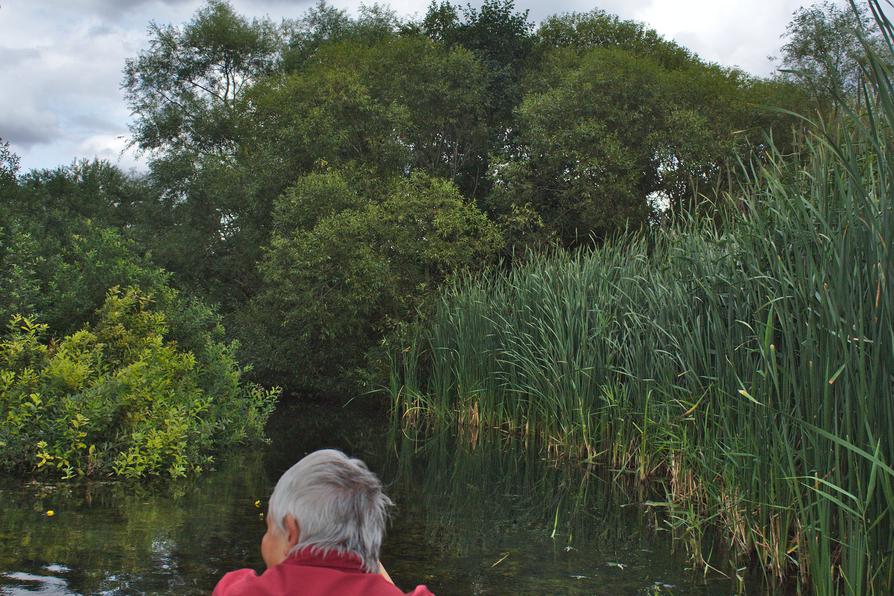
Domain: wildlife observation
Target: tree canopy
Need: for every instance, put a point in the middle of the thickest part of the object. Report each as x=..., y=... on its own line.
x=318, y=179
x=824, y=47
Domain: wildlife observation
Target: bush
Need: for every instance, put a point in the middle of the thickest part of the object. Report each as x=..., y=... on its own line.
x=121, y=397
x=344, y=270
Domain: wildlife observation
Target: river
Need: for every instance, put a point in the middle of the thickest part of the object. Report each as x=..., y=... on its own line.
x=488, y=519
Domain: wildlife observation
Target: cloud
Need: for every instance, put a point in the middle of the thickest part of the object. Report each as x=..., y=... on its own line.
x=741, y=33
x=116, y=8
x=112, y=148
x=12, y=57
x=24, y=126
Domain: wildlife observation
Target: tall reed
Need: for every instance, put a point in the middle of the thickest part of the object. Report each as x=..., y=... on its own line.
x=746, y=360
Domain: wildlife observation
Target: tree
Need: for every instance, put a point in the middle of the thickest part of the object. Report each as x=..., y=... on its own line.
x=502, y=38
x=599, y=29
x=324, y=24
x=586, y=147
x=496, y=31
x=436, y=100
x=327, y=114
x=187, y=91
x=58, y=265
x=824, y=49
x=9, y=166
x=608, y=138
x=185, y=88
x=344, y=270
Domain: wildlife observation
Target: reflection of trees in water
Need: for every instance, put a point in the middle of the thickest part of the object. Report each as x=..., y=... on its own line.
x=177, y=537
x=126, y=538
x=494, y=518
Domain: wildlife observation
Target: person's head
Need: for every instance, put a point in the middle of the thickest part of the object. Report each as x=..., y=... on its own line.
x=328, y=502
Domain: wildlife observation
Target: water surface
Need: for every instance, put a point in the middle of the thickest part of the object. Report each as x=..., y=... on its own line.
x=493, y=519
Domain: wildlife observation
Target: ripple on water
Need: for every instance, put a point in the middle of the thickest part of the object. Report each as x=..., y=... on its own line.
x=19, y=583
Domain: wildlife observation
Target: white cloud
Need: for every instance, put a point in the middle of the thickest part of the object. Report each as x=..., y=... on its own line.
x=112, y=148
x=733, y=33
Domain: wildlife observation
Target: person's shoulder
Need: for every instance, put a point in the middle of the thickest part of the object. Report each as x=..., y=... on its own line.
x=236, y=583
x=421, y=591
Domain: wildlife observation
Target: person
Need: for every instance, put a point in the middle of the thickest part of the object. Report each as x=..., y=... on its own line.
x=325, y=526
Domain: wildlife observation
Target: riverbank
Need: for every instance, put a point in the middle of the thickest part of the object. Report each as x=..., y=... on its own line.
x=742, y=359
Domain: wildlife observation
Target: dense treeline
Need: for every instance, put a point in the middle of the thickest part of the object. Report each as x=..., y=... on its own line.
x=313, y=183
x=319, y=179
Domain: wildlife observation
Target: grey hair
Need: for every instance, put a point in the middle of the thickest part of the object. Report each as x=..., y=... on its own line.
x=338, y=504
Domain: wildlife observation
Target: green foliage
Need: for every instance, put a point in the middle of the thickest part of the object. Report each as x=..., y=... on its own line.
x=327, y=113
x=20, y=260
x=599, y=29
x=56, y=260
x=609, y=138
x=93, y=190
x=443, y=98
x=401, y=103
x=324, y=24
x=120, y=397
x=206, y=226
x=496, y=31
x=187, y=92
x=586, y=148
x=123, y=387
x=746, y=362
x=344, y=273
x=502, y=38
x=9, y=166
x=471, y=95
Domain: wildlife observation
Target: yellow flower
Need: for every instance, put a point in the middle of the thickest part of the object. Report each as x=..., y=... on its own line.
x=258, y=503
x=50, y=513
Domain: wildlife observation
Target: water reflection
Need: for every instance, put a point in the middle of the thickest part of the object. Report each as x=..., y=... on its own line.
x=125, y=538
x=497, y=519
x=490, y=520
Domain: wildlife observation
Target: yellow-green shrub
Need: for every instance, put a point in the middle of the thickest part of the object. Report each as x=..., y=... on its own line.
x=120, y=397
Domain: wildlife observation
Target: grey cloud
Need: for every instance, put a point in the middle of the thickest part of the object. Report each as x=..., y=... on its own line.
x=10, y=57
x=119, y=6
x=26, y=129
x=103, y=29
x=99, y=124
x=134, y=14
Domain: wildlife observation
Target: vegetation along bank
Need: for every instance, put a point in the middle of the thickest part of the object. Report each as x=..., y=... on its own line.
x=742, y=356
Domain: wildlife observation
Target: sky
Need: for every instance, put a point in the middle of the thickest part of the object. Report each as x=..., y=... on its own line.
x=61, y=61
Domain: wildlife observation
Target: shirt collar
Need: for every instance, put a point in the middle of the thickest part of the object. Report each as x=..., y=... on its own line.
x=310, y=556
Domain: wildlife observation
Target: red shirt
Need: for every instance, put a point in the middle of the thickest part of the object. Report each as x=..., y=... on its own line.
x=311, y=575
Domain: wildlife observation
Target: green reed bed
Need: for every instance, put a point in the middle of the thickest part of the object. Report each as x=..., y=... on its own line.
x=746, y=361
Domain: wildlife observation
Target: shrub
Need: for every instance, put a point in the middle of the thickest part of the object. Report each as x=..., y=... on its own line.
x=344, y=270
x=121, y=397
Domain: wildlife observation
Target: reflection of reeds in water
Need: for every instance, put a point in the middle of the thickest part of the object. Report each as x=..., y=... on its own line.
x=747, y=361
x=470, y=489
x=497, y=517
